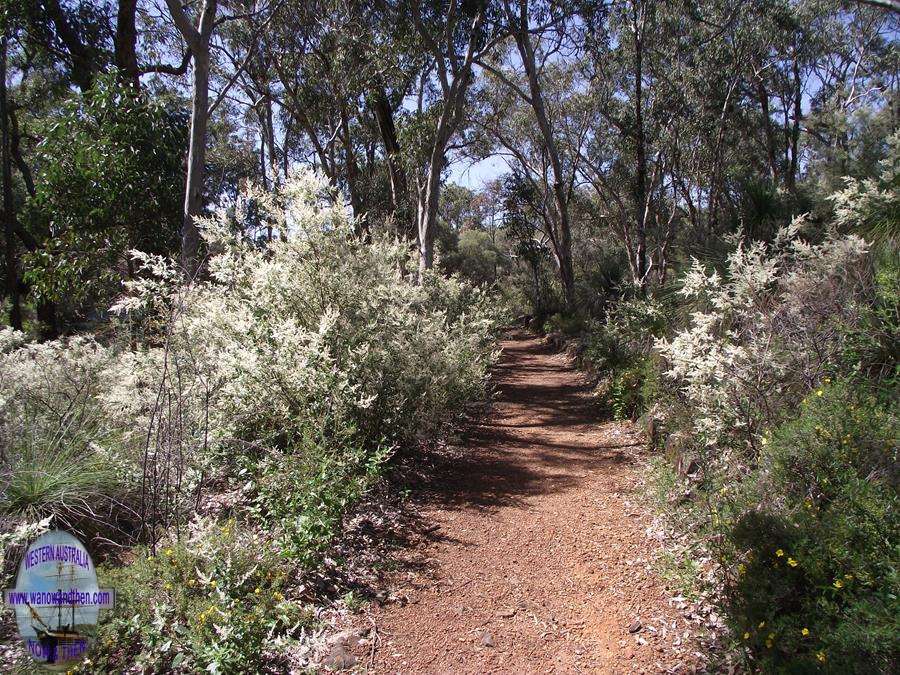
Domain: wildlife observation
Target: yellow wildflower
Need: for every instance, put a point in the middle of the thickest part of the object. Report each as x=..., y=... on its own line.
x=792, y=562
x=820, y=656
x=168, y=552
x=819, y=393
x=762, y=624
x=741, y=568
x=779, y=553
x=746, y=636
x=838, y=583
x=213, y=583
x=256, y=591
x=804, y=632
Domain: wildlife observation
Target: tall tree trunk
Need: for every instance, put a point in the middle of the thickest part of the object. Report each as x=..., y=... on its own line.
x=9, y=216
x=560, y=194
x=763, y=96
x=14, y=141
x=450, y=118
x=126, y=43
x=429, y=194
x=428, y=207
x=640, y=182
x=351, y=174
x=795, y=123
x=197, y=39
x=193, y=197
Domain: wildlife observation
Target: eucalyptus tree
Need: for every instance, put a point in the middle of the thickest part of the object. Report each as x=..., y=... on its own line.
x=533, y=72
x=622, y=158
x=340, y=73
x=542, y=148
x=197, y=26
x=454, y=36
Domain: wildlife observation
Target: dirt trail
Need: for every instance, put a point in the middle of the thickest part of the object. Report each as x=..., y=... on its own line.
x=539, y=561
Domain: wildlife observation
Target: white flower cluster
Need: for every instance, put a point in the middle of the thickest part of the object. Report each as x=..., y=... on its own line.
x=315, y=333
x=765, y=331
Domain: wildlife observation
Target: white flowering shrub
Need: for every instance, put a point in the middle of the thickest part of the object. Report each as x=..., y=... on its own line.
x=281, y=381
x=311, y=355
x=321, y=331
x=317, y=339
x=794, y=435
x=768, y=331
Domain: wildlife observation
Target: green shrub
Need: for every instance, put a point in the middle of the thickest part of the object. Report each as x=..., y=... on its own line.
x=634, y=386
x=568, y=325
x=303, y=494
x=814, y=536
x=620, y=348
x=110, y=179
x=213, y=602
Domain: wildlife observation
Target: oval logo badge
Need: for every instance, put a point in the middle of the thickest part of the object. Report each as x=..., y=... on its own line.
x=57, y=600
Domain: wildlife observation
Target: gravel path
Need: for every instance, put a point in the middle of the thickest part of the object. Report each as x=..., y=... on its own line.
x=538, y=559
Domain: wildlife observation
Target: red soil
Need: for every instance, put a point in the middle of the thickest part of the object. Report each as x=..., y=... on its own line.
x=538, y=560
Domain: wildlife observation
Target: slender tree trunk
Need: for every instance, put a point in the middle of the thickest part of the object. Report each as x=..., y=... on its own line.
x=428, y=208
x=429, y=196
x=193, y=198
x=351, y=174
x=450, y=118
x=795, y=125
x=9, y=215
x=197, y=39
x=24, y=170
x=560, y=195
x=763, y=96
x=640, y=183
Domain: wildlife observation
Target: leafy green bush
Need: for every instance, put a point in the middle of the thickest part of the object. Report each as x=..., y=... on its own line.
x=620, y=348
x=306, y=490
x=634, y=386
x=110, y=179
x=814, y=539
x=214, y=602
x=568, y=325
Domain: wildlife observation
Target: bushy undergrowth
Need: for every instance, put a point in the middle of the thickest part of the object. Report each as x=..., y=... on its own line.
x=621, y=349
x=271, y=392
x=811, y=539
x=785, y=403
x=218, y=605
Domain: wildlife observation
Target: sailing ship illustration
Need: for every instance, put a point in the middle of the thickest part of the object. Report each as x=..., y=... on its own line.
x=66, y=640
